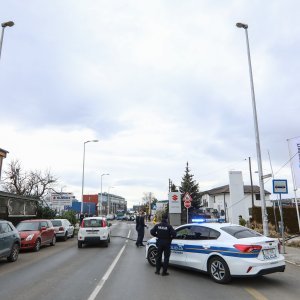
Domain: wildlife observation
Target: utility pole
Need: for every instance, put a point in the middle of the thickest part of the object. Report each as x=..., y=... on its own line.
x=251, y=181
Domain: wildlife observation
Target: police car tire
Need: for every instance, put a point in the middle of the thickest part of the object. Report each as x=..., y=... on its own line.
x=218, y=270
x=151, y=256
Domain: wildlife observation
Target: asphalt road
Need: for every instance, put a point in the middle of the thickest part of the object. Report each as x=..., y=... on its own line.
x=64, y=272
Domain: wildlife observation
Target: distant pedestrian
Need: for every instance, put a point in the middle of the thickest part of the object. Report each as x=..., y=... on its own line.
x=154, y=220
x=242, y=221
x=80, y=219
x=140, y=228
x=164, y=234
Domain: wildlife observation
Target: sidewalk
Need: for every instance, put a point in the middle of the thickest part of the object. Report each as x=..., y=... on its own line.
x=292, y=255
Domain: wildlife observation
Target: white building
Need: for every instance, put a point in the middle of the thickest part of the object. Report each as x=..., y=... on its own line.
x=234, y=199
x=59, y=201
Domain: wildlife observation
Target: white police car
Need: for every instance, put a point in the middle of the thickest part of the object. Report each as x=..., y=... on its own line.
x=222, y=250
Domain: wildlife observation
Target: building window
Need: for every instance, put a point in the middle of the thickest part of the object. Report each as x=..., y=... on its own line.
x=257, y=196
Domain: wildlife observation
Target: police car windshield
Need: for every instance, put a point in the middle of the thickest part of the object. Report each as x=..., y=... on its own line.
x=240, y=232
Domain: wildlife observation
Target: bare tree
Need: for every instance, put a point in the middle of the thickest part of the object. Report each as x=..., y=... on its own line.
x=32, y=183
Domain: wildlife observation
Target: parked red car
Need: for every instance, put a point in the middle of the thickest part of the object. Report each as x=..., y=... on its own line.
x=36, y=233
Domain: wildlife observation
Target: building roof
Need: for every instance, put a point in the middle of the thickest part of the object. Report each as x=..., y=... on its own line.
x=15, y=196
x=225, y=189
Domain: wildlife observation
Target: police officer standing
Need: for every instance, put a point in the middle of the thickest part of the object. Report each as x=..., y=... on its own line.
x=140, y=228
x=164, y=233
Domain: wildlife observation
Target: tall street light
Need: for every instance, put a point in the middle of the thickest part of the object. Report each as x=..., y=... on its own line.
x=82, y=183
x=5, y=24
x=258, y=152
x=100, y=206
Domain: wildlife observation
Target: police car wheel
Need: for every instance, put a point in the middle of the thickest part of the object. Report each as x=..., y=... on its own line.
x=152, y=256
x=218, y=270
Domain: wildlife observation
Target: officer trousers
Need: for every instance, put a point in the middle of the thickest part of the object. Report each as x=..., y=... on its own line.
x=163, y=247
x=141, y=233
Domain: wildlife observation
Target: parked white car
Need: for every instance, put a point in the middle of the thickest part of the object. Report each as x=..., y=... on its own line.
x=222, y=250
x=63, y=228
x=94, y=230
x=110, y=217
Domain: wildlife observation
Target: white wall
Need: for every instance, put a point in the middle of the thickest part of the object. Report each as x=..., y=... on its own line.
x=238, y=202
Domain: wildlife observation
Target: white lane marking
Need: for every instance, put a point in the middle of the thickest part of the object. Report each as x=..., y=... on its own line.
x=292, y=263
x=108, y=272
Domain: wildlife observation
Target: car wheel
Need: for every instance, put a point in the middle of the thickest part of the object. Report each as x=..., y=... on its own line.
x=73, y=234
x=218, y=270
x=66, y=236
x=53, y=242
x=151, y=256
x=79, y=244
x=14, y=253
x=37, y=245
x=106, y=242
x=108, y=239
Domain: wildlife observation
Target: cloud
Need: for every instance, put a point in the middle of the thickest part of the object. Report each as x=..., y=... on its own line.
x=158, y=83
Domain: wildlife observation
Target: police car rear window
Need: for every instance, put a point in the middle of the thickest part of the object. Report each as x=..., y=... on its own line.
x=240, y=232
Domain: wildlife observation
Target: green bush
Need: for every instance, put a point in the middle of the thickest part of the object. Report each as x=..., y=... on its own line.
x=69, y=215
x=45, y=212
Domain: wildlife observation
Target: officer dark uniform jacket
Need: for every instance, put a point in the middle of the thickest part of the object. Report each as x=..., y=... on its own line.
x=164, y=234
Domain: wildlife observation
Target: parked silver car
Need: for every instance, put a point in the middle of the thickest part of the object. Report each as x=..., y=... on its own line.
x=63, y=228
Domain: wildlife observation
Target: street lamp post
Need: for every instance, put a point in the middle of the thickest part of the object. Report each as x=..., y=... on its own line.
x=258, y=152
x=82, y=182
x=5, y=24
x=100, y=206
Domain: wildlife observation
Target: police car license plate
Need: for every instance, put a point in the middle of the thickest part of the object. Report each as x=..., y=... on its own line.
x=269, y=253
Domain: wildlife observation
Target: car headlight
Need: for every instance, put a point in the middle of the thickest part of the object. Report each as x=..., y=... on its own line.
x=30, y=237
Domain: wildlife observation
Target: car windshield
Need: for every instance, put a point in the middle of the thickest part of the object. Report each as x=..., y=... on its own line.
x=240, y=232
x=28, y=226
x=56, y=222
x=92, y=223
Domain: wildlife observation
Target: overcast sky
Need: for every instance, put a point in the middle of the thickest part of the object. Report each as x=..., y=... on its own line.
x=159, y=83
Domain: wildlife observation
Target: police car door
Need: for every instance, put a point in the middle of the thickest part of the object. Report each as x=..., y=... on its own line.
x=178, y=253
x=203, y=239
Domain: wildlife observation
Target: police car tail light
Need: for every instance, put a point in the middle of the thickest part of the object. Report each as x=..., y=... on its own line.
x=247, y=248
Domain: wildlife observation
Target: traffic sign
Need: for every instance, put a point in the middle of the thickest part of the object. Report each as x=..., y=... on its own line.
x=187, y=197
x=280, y=186
x=187, y=204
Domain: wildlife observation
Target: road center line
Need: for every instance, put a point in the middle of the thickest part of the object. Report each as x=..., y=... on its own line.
x=256, y=294
x=108, y=272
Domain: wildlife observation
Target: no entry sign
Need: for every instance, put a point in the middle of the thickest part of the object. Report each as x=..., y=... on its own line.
x=187, y=204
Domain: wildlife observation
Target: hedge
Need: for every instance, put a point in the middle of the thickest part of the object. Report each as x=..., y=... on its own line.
x=289, y=217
